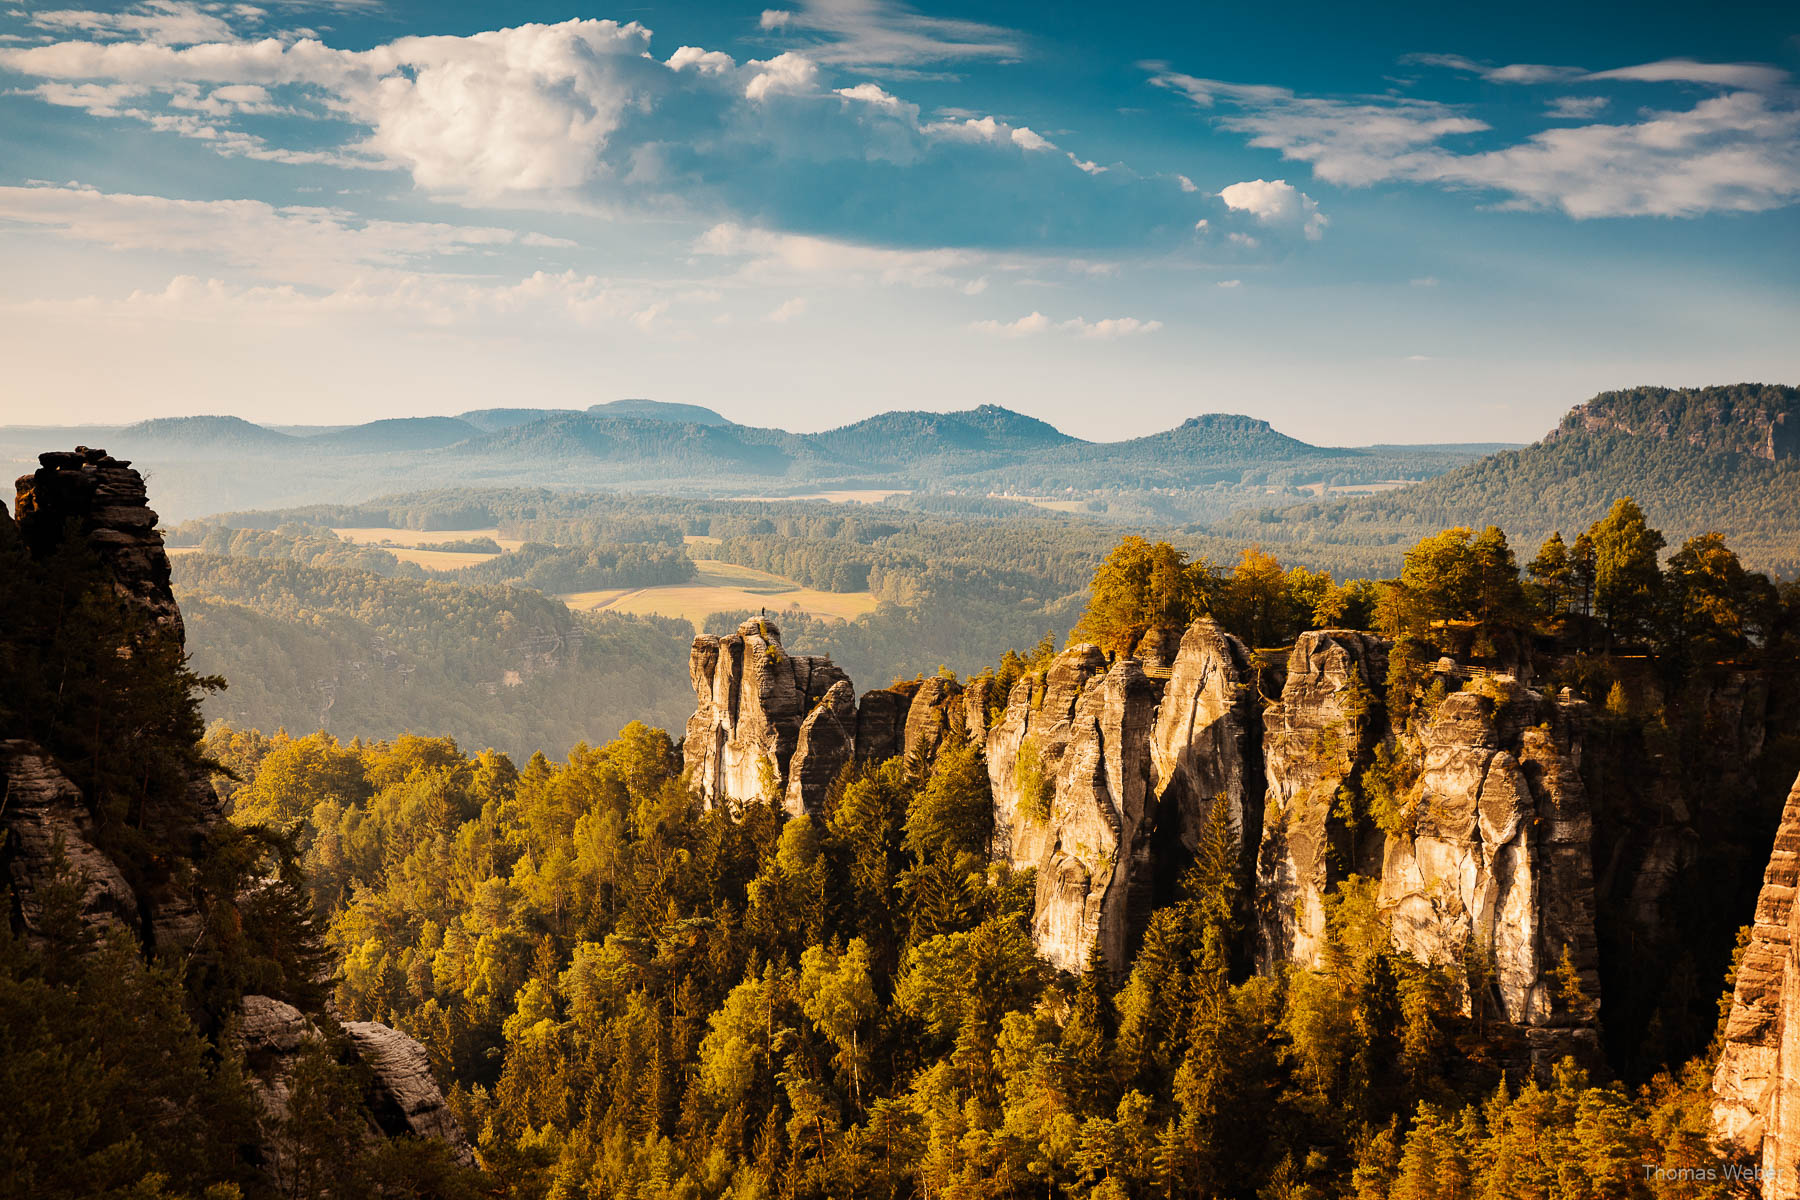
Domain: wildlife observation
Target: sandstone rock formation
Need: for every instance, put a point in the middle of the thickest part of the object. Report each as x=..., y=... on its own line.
x=1205, y=746
x=881, y=725
x=935, y=707
x=753, y=697
x=402, y=1097
x=1492, y=859
x=1756, y=1085
x=102, y=501
x=48, y=834
x=47, y=830
x=826, y=745
x=1069, y=763
x=1314, y=738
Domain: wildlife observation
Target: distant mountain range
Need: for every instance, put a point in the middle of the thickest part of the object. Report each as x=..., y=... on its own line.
x=1200, y=470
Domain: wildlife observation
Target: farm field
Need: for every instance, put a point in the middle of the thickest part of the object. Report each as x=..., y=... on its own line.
x=723, y=587
x=403, y=544
x=390, y=537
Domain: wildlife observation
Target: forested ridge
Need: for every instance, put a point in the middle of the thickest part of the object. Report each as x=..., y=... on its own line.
x=1699, y=458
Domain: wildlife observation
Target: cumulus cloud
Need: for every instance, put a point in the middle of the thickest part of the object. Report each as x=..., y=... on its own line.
x=581, y=115
x=1035, y=323
x=1277, y=203
x=1736, y=151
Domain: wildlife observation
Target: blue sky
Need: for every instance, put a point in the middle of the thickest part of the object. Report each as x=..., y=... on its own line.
x=1423, y=223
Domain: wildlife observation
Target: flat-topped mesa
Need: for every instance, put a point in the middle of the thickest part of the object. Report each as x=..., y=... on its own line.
x=1756, y=1086
x=752, y=697
x=1315, y=738
x=87, y=494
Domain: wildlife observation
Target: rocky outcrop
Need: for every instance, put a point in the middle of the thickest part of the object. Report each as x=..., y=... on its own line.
x=1315, y=738
x=752, y=699
x=56, y=863
x=1205, y=745
x=1095, y=878
x=1070, y=768
x=826, y=745
x=1756, y=1085
x=881, y=725
x=1487, y=862
x=935, y=708
x=48, y=842
x=92, y=497
x=1025, y=751
x=402, y=1096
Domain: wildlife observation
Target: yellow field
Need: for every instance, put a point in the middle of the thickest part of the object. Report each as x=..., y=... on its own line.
x=723, y=587
x=424, y=537
x=700, y=539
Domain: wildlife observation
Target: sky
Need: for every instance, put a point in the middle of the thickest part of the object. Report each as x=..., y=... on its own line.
x=1421, y=223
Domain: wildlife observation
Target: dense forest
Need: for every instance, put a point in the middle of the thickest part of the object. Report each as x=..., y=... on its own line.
x=310, y=647
x=635, y=995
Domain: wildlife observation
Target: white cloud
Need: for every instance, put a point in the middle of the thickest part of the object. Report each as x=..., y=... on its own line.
x=1755, y=76
x=1035, y=323
x=1277, y=203
x=882, y=33
x=1577, y=108
x=1522, y=73
x=1424, y=281
x=787, y=310
x=1231, y=283
x=783, y=73
x=163, y=22
x=576, y=114
x=773, y=258
x=1739, y=151
x=294, y=244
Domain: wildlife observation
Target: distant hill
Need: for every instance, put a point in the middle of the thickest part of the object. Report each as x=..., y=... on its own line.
x=909, y=436
x=205, y=433
x=1696, y=459
x=1200, y=471
x=398, y=433
x=656, y=410
x=645, y=444
x=493, y=419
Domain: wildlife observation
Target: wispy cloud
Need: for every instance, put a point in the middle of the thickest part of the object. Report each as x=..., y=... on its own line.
x=1735, y=151
x=882, y=34
x=1035, y=323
